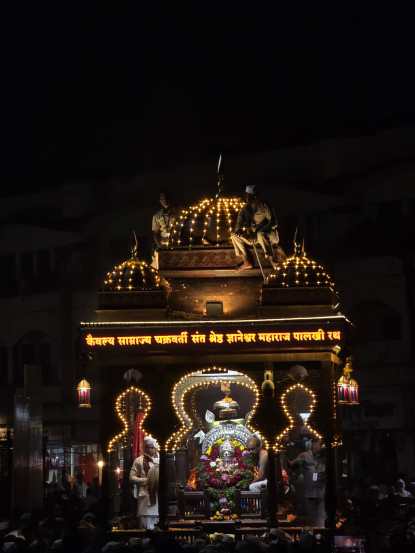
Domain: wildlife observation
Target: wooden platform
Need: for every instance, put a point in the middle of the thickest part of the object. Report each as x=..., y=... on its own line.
x=196, y=527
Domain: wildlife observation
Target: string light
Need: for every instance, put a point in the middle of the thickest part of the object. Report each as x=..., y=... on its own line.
x=299, y=270
x=185, y=385
x=132, y=275
x=120, y=409
x=291, y=425
x=209, y=222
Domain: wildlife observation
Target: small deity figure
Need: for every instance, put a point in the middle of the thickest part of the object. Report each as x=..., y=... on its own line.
x=256, y=224
x=227, y=452
x=144, y=474
x=162, y=223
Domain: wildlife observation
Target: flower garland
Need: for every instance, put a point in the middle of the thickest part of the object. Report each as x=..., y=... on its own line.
x=221, y=480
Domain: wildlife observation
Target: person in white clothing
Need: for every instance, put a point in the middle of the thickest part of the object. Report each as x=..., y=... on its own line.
x=144, y=474
x=254, y=447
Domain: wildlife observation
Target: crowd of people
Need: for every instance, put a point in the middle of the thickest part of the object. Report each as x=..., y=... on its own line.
x=70, y=523
x=383, y=514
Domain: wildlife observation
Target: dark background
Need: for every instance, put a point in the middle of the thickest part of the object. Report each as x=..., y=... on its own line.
x=115, y=88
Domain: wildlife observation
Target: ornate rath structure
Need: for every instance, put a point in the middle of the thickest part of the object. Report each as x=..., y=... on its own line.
x=218, y=356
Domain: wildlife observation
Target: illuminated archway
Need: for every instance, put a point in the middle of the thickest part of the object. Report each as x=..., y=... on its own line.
x=201, y=379
x=131, y=399
x=290, y=416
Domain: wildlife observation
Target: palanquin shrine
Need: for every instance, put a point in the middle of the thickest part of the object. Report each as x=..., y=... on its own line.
x=202, y=357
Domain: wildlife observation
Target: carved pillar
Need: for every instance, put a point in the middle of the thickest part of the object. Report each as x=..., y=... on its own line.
x=128, y=504
x=272, y=502
x=181, y=466
x=171, y=477
x=163, y=490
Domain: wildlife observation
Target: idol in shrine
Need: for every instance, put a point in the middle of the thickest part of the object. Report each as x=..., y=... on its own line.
x=220, y=461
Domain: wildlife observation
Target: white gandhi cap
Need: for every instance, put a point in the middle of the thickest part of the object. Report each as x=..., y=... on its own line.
x=250, y=189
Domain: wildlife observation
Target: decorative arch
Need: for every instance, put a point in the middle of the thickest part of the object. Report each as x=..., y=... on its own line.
x=132, y=407
x=289, y=415
x=199, y=379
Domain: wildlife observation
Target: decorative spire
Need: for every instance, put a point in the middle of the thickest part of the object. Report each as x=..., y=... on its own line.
x=221, y=176
x=134, y=249
x=297, y=245
x=299, y=249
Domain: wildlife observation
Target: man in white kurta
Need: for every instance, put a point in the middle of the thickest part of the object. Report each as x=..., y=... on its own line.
x=144, y=474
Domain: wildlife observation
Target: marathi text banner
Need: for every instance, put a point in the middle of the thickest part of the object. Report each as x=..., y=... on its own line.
x=212, y=337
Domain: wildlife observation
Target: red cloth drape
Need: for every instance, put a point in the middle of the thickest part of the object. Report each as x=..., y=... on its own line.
x=88, y=467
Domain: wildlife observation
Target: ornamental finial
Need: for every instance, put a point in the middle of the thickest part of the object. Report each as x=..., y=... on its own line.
x=297, y=247
x=134, y=249
x=221, y=176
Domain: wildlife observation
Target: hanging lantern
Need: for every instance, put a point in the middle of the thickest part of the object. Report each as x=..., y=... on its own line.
x=84, y=393
x=347, y=387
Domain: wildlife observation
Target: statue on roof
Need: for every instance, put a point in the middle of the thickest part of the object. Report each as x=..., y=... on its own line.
x=256, y=224
x=163, y=221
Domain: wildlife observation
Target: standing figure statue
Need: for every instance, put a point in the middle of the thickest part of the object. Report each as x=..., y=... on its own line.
x=162, y=223
x=256, y=224
x=144, y=474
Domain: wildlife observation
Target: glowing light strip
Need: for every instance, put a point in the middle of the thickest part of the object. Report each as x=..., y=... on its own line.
x=204, y=214
x=291, y=420
x=186, y=421
x=119, y=408
x=214, y=321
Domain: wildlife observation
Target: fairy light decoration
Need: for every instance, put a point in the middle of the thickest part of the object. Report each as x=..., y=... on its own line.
x=298, y=270
x=290, y=417
x=132, y=275
x=202, y=379
x=121, y=409
x=210, y=222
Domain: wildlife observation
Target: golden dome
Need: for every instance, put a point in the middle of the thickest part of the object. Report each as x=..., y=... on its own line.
x=131, y=276
x=299, y=270
x=207, y=223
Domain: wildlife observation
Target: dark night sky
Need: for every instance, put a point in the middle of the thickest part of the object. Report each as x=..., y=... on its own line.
x=117, y=89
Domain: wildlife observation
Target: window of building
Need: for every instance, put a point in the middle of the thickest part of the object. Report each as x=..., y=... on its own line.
x=27, y=268
x=8, y=280
x=4, y=366
x=44, y=266
x=49, y=375
x=34, y=349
